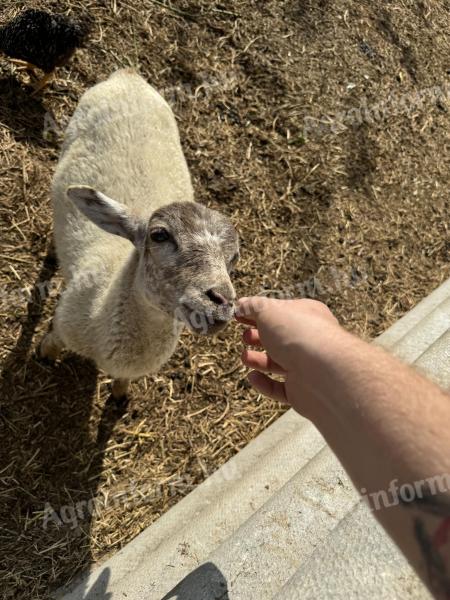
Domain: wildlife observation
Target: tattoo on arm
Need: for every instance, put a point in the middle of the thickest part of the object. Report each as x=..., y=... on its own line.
x=434, y=545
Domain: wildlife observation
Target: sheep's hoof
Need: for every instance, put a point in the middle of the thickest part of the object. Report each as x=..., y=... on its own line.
x=52, y=257
x=50, y=348
x=119, y=390
x=120, y=404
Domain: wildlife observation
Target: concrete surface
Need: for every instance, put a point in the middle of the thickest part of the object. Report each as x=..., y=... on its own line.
x=400, y=329
x=358, y=561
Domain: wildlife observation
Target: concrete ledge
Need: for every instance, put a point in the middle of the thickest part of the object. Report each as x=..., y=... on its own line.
x=269, y=547
x=435, y=361
x=400, y=329
x=358, y=561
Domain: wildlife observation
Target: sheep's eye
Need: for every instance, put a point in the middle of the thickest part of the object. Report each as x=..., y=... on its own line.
x=160, y=235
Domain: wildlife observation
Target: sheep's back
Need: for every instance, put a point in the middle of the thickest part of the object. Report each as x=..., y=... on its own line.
x=123, y=141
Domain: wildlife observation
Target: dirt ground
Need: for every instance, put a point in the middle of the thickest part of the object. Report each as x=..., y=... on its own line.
x=321, y=128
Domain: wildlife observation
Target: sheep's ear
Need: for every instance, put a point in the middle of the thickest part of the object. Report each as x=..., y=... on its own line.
x=106, y=213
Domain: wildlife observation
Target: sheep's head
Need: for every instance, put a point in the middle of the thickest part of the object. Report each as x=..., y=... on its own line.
x=187, y=252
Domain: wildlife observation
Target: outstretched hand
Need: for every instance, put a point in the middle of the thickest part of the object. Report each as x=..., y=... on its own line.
x=290, y=333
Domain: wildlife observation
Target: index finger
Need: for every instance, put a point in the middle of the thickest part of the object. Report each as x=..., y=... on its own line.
x=245, y=321
x=247, y=309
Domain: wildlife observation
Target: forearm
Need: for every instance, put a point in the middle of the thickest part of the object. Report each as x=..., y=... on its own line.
x=385, y=421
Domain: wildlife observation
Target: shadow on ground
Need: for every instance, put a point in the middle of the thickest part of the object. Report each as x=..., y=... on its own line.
x=206, y=582
x=23, y=114
x=309, y=14
x=48, y=481
x=408, y=58
x=99, y=591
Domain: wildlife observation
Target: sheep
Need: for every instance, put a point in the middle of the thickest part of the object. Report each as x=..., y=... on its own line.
x=139, y=257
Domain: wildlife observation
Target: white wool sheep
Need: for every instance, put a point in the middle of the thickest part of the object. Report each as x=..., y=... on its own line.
x=139, y=265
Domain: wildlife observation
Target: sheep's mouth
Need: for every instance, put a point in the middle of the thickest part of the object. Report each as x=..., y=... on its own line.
x=205, y=322
x=216, y=326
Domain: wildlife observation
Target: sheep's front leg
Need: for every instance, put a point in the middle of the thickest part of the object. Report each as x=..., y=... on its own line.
x=51, y=346
x=119, y=388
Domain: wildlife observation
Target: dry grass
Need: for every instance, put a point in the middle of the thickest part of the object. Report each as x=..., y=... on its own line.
x=365, y=212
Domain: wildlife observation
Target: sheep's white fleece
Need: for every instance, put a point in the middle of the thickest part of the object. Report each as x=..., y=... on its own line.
x=123, y=141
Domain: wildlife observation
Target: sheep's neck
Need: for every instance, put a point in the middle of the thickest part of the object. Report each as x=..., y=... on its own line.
x=140, y=334
x=130, y=301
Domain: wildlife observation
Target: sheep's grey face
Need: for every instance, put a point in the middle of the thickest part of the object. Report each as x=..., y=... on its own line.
x=188, y=254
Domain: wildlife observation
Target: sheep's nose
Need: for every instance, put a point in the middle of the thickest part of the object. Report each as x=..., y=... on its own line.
x=217, y=297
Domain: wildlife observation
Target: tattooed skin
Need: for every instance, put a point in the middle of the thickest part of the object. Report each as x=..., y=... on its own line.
x=432, y=543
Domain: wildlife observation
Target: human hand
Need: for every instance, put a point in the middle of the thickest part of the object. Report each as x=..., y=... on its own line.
x=296, y=335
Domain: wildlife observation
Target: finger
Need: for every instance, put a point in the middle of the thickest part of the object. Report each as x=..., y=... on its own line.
x=244, y=321
x=248, y=308
x=251, y=337
x=261, y=362
x=267, y=386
